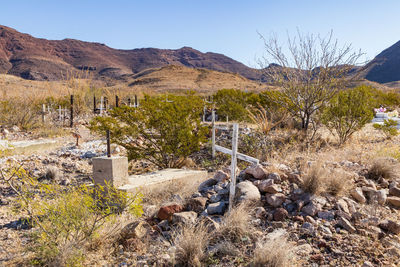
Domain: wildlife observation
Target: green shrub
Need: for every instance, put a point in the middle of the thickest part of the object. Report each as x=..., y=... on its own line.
x=23, y=113
x=66, y=221
x=164, y=133
x=232, y=103
x=388, y=128
x=348, y=112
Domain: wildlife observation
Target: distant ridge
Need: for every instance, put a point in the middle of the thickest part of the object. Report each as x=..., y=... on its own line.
x=40, y=59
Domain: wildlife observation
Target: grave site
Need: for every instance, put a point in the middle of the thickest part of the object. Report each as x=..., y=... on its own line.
x=180, y=157
x=252, y=191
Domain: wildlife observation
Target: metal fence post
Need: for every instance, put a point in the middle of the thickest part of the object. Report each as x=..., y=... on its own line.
x=72, y=112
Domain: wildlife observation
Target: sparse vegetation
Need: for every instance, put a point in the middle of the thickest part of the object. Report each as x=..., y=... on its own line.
x=348, y=112
x=389, y=128
x=273, y=253
x=382, y=168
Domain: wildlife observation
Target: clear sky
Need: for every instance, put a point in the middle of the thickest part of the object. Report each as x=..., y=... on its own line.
x=223, y=26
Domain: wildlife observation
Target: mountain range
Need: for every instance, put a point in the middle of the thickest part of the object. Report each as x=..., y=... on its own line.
x=40, y=59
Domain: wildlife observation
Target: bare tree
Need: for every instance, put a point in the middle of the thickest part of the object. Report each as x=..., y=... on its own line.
x=309, y=73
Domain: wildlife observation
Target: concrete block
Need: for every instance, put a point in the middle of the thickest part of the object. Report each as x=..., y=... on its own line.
x=114, y=170
x=159, y=177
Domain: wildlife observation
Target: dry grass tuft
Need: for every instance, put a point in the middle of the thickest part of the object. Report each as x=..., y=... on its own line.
x=313, y=181
x=382, y=168
x=191, y=242
x=337, y=183
x=236, y=224
x=273, y=253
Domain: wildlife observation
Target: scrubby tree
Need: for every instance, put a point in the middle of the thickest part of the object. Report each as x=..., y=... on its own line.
x=389, y=128
x=232, y=103
x=348, y=112
x=308, y=72
x=164, y=132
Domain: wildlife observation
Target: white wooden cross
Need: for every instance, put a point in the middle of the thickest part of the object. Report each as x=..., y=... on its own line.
x=235, y=155
x=101, y=105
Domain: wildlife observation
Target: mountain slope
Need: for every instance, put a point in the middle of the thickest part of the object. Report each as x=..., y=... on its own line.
x=385, y=67
x=40, y=59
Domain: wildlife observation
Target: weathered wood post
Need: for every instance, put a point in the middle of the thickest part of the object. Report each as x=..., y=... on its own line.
x=136, y=102
x=213, y=133
x=59, y=113
x=108, y=144
x=116, y=101
x=235, y=136
x=204, y=113
x=72, y=112
x=94, y=104
x=129, y=102
x=43, y=113
x=101, y=105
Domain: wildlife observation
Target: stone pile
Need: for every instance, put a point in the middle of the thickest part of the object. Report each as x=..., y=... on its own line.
x=334, y=223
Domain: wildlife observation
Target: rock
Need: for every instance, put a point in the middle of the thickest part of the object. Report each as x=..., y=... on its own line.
x=166, y=212
x=280, y=214
x=394, y=191
x=215, y=198
x=247, y=191
x=257, y=171
x=275, y=177
x=262, y=184
x=271, y=189
x=221, y=176
x=341, y=204
x=314, y=206
x=358, y=195
x=390, y=226
x=395, y=201
x=204, y=186
x=210, y=224
x=136, y=229
x=15, y=129
x=367, y=264
x=326, y=215
x=216, y=208
x=345, y=224
x=276, y=200
x=186, y=217
x=308, y=228
x=381, y=196
x=260, y=213
x=197, y=204
x=294, y=178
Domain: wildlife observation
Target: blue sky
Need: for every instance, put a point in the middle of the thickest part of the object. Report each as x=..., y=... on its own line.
x=222, y=26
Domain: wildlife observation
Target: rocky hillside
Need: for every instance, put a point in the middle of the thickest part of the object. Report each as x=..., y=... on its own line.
x=40, y=59
x=384, y=68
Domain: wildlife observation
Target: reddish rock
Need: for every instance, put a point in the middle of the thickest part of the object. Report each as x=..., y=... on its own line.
x=394, y=191
x=166, y=212
x=257, y=171
x=276, y=200
x=280, y=214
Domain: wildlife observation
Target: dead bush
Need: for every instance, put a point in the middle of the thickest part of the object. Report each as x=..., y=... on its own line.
x=273, y=253
x=52, y=173
x=191, y=242
x=382, y=168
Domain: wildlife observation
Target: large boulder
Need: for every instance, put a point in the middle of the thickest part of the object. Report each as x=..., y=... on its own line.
x=247, y=191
